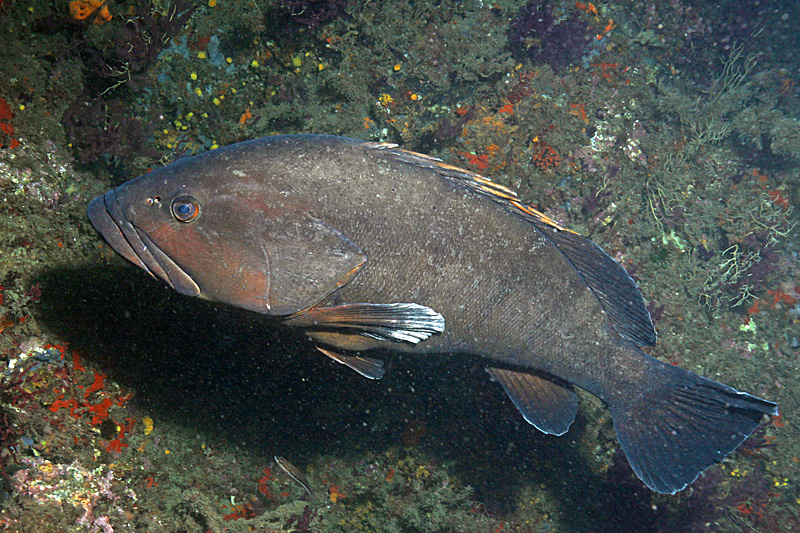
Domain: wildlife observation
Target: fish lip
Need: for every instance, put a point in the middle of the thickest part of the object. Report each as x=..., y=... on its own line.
x=133, y=244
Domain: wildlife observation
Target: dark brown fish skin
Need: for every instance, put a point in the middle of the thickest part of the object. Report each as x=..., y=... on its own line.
x=505, y=291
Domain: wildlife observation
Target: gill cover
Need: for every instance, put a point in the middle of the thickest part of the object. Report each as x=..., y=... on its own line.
x=308, y=260
x=274, y=260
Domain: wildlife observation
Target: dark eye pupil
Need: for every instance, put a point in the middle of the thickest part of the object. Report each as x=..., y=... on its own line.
x=185, y=208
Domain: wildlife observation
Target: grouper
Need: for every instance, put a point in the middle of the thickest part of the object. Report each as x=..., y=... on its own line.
x=368, y=246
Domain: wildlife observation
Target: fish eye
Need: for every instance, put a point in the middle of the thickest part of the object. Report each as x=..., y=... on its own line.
x=185, y=208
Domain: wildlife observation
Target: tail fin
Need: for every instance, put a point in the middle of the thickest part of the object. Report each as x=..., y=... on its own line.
x=682, y=424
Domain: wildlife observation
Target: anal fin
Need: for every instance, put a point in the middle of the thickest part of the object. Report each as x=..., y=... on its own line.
x=396, y=322
x=368, y=367
x=548, y=406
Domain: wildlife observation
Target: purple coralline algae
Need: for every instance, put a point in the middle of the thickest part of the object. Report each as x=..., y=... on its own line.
x=314, y=12
x=52, y=484
x=538, y=35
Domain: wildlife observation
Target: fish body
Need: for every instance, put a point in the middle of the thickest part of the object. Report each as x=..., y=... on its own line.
x=293, y=472
x=365, y=246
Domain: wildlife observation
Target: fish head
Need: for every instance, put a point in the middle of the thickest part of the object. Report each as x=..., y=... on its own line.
x=177, y=229
x=219, y=227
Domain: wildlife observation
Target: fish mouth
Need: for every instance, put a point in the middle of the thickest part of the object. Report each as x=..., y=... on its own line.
x=133, y=244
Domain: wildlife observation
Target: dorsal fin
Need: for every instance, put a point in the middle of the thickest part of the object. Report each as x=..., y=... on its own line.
x=609, y=281
x=612, y=285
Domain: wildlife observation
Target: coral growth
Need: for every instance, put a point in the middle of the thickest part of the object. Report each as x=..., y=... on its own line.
x=102, y=129
x=53, y=485
x=94, y=10
x=99, y=122
x=6, y=128
x=545, y=157
x=135, y=48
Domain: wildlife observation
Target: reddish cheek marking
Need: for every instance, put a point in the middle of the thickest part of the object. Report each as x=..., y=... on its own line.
x=223, y=273
x=182, y=245
x=250, y=290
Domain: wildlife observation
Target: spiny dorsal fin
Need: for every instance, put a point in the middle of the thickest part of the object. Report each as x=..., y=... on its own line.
x=609, y=281
x=471, y=180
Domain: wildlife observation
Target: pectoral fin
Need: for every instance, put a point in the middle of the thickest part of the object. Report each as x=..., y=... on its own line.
x=368, y=367
x=545, y=404
x=397, y=322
